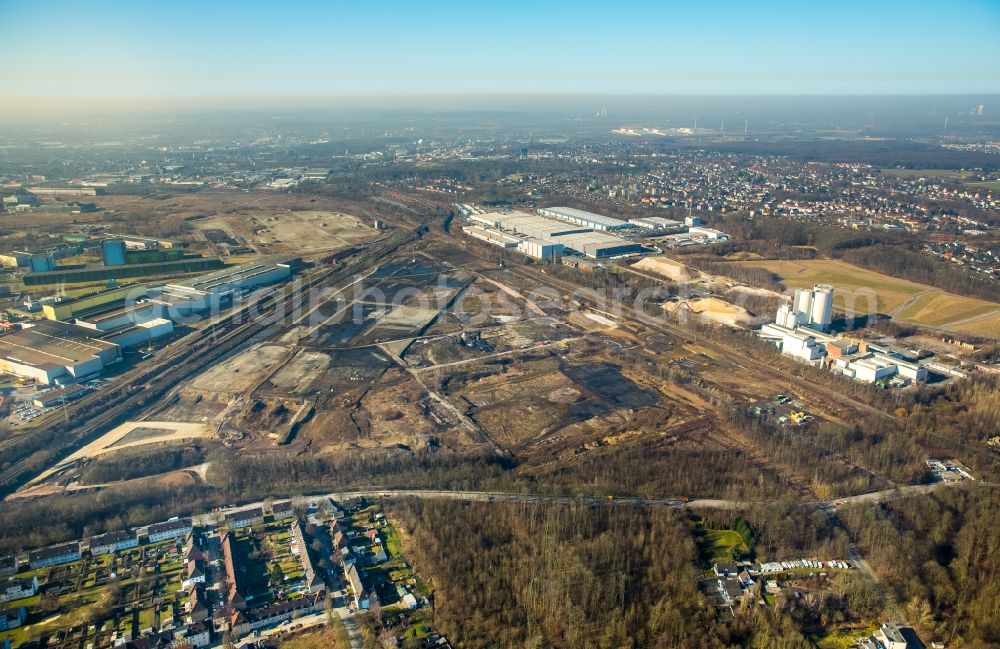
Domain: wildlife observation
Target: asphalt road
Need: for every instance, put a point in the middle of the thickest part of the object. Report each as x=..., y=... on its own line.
x=376, y=493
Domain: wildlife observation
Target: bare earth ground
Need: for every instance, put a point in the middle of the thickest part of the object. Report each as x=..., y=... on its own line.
x=143, y=432
x=287, y=230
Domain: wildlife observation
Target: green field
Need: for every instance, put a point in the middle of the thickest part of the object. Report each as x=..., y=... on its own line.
x=842, y=638
x=994, y=184
x=723, y=544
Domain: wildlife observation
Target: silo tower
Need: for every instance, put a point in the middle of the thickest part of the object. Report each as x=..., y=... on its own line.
x=822, y=307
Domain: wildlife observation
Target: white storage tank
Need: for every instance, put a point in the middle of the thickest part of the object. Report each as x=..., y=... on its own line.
x=822, y=307
x=803, y=304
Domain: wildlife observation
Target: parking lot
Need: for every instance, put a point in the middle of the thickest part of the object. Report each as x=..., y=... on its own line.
x=782, y=410
x=22, y=409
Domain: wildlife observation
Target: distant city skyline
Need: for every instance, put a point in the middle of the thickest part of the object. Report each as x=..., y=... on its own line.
x=185, y=53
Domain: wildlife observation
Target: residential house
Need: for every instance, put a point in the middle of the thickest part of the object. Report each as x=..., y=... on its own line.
x=729, y=589
x=362, y=598
x=313, y=577
x=725, y=568
x=406, y=597
x=339, y=540
x=243, y=622
x=245, y=518
x=161, y=640
x=12, y=618
x=16, y=589
x=197, y=610
x=55, y=555
x=195, y=573
x=282, y=510
x=9, y=565
x=234, y=598
x=113, y=542
x=434, y=641
x=197, y=635
x=893, y=636
x=169, y=530
x=192, y=549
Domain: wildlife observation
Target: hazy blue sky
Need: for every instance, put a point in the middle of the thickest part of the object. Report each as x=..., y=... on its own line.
x=188, y=51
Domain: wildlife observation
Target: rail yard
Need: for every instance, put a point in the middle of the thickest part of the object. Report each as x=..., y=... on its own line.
x=150, y=382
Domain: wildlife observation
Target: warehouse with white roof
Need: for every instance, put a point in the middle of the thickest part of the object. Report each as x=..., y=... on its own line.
x=535, y=226
x=585, y=218
x=547, y=238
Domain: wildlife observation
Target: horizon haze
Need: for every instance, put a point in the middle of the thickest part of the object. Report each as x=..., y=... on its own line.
x=117, y=55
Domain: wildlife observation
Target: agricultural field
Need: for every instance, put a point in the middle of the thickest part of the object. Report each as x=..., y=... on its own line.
x=948, y=174
x=854, y=285
x=903, y=300
x=940, y=309
x=988, y=326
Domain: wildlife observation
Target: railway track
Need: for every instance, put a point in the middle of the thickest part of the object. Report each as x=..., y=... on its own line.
x=148, y=383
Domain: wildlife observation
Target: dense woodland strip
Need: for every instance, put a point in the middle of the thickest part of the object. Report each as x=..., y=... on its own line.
x=940, y=553
x=133, y=463
x=511, y=576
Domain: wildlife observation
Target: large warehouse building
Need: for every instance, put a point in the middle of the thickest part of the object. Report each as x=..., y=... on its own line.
x=546, y=238
x=123, y=316
x=242, y=277
x=586, y=219
x=540, y=248
x=536, y=227
x=178, y=302
x=96, y=302
x=47, y=350
x=598, y=245
x=140, y=333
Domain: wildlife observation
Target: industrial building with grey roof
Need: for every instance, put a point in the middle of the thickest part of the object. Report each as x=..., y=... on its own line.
x=244, y=276
x=598, y=245
x=50, y=349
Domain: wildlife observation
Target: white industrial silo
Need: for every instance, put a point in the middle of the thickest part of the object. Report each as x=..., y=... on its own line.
x=822, y=307
x=803, y=304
